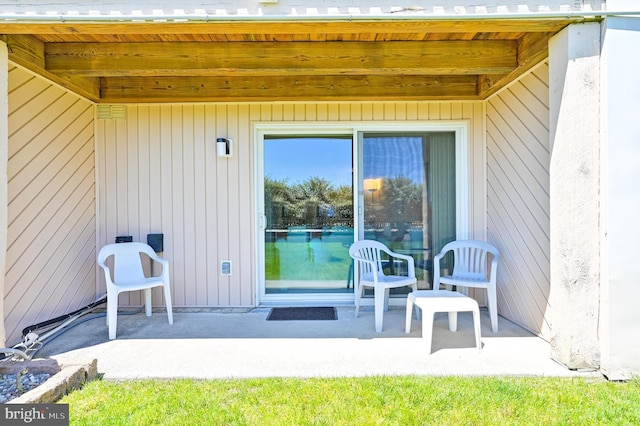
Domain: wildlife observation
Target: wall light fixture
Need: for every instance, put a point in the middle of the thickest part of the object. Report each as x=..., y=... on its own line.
x=223, y=146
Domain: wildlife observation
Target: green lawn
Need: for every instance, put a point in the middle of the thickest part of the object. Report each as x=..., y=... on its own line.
x=358, y=401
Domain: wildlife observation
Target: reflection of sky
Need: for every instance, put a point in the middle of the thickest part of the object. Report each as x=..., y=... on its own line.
x=390, y=157
x=297, y=159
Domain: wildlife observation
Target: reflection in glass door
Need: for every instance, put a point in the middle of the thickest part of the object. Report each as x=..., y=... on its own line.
x=308, y=209
x=409, y=194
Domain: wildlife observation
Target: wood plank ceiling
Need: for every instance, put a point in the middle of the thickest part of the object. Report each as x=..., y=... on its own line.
x=149, y=62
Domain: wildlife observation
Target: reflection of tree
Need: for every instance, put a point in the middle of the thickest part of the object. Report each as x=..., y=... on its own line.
x=401, y=200
x=279, y=201
x=342, y=199
x=314, y=202
x=314, y=189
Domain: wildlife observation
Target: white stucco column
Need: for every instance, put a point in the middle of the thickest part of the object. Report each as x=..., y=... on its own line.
x=620, y=308
x=4, y=143
x=574, y=108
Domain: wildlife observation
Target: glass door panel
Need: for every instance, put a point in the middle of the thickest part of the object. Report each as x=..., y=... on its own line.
x=409, y=195
x=308, y=204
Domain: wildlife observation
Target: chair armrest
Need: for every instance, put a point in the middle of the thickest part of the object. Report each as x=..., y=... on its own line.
x=103, y=265
x=494, y=269
x=107, y=273
x=363, y=260
x=436, y=269
x=164, y=262
x=410, y=261
x=440, y=255
x=371, y=263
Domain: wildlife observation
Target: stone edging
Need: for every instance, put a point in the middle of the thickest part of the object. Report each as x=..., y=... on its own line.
x=73, y=374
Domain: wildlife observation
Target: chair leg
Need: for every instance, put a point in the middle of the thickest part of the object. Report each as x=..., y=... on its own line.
x=409, y=314
x=147, y=302
x=386, y=299
x=453, y=321
x=112, y=315
x=476, y=327
x=358, y=295
x=414, y=287
x=379, y=296
x=167, y=301
x=492, y=304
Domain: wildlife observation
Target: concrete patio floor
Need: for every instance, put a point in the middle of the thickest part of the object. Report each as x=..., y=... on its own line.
x=236, y=343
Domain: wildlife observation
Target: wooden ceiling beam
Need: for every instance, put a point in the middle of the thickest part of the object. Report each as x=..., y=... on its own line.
x=286, y=88
x=274, y=58
x=28, y=52
x=532, y=49
x=301, y=26
x=25, y=50
x=195, y=61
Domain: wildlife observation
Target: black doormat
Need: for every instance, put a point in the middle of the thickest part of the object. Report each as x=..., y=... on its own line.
x=302, y=314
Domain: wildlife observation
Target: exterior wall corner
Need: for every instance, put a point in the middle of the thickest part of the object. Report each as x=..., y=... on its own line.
x=619, y=328
x=574, y=101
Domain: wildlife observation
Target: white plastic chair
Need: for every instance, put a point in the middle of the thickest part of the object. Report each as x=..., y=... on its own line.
x=470, y=259
x=367, y=255
x=128, y=275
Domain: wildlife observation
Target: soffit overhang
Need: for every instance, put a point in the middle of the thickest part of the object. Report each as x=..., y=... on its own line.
x=202, y=59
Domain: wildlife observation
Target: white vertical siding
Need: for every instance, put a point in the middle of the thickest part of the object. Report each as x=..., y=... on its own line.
x=518, y=197
x=50, y=267
x=158, y=172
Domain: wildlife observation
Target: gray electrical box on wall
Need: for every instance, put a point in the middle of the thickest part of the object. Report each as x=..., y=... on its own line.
x=225, y=267
x=156, y=241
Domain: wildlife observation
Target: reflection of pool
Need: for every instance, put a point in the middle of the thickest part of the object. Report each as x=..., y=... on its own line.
x=308, y=255
x=301, y=260
x=300, y=253
x=301, y=234
x=394, y=233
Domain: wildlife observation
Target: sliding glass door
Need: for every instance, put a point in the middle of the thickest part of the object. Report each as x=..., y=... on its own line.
x=319, y=192
x=308, y=208
x=409, y=193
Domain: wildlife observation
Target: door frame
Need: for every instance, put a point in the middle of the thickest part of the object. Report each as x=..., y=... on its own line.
x=356, y=129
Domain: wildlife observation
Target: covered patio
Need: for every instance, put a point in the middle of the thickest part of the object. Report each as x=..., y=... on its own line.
x=111, y=114
x=241, y=343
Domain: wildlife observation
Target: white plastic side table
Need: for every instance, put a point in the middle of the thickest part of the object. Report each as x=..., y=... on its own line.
x=432, y=301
